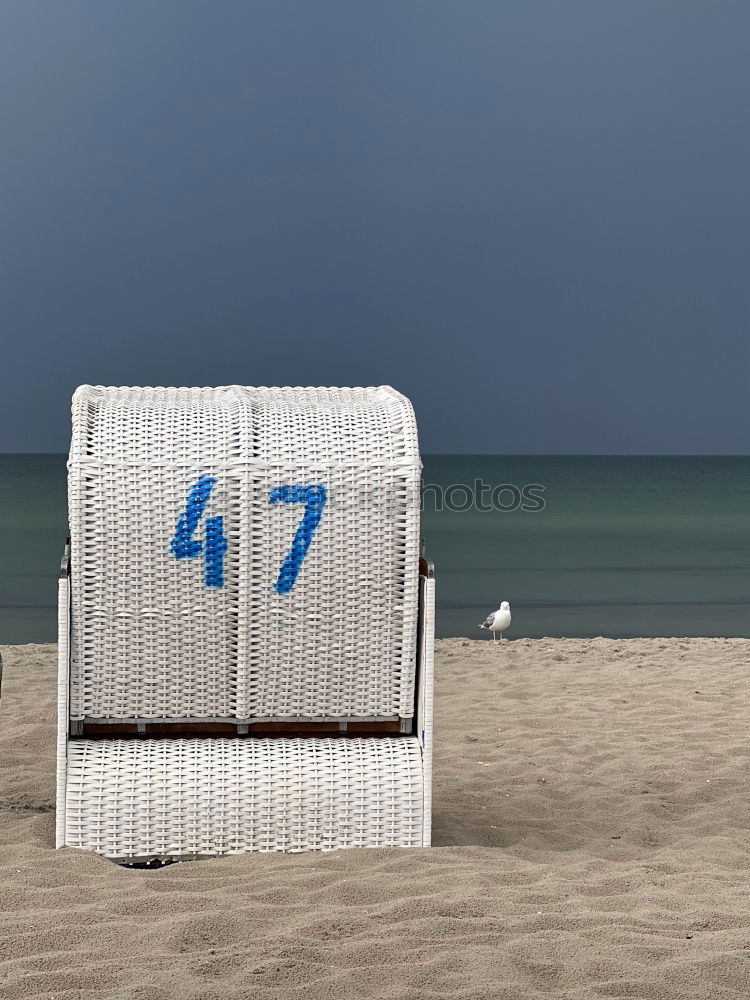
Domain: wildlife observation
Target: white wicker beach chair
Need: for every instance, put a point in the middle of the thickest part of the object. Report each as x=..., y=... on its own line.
x=246, y=626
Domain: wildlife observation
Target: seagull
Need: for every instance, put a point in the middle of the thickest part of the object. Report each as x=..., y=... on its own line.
x=498, y=620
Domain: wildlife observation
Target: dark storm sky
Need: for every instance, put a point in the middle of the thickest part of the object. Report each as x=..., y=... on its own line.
x=531, y=216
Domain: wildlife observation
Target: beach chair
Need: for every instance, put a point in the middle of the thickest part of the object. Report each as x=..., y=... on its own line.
x=245, y=624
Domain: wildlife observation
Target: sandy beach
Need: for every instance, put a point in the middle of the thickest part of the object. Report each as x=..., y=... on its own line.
x=591, y=839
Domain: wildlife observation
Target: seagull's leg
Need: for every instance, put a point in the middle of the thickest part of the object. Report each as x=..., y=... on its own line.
x=493, y=637
x=501, y=637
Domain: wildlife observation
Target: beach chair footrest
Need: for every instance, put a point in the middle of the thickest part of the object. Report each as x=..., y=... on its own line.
x=181, y=798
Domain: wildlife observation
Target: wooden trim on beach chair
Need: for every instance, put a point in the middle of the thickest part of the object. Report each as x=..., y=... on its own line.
x=195, y=728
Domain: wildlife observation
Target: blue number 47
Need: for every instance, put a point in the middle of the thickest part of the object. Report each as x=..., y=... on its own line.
x=185, y=546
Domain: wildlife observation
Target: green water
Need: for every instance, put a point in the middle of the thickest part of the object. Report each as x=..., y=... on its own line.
x=33, y=528
x=623, y=546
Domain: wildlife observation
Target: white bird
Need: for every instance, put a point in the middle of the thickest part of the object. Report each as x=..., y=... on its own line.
x=498, y=620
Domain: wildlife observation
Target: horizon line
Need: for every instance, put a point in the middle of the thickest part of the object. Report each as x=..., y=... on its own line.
x=506, y=454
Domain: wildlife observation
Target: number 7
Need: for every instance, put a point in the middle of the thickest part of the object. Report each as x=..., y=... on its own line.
x=314, y=498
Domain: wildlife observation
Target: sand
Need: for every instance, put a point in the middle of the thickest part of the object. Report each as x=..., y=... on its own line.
x=591, y=840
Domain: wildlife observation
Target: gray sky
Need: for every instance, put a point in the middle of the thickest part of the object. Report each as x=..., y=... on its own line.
x=531, y=217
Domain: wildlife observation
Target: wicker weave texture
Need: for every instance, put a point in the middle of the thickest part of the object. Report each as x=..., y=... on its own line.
x=171, y=798
x=425, y=698
x=217, y=635
x=63, y=662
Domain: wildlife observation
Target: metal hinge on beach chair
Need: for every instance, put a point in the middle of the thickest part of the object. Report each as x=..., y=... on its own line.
x=246, y=624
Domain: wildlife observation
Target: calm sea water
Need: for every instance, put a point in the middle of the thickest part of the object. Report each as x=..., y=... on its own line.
x=623, y=547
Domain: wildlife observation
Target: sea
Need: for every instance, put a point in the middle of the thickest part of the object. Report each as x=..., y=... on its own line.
x=585, y=546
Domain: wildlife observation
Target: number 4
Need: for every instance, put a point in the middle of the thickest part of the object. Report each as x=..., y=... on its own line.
x=184, y=546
